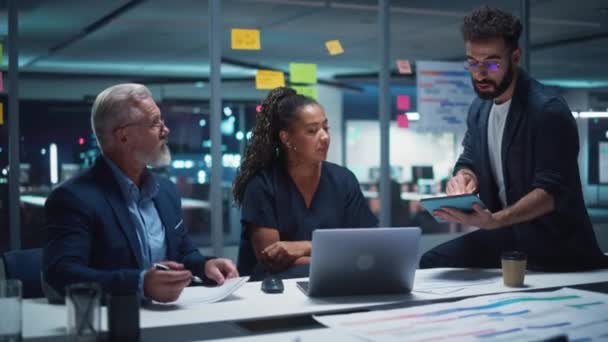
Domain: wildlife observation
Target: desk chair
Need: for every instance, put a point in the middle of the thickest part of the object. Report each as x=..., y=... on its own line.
x=25, y=265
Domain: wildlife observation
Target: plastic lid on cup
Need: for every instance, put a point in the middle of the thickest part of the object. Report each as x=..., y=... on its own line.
x=513, y=255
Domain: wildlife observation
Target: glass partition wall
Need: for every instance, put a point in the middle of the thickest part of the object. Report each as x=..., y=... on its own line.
x=68, y=53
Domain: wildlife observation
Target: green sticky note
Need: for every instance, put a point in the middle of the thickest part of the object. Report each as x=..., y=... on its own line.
x=1, y=55
x=302, y=73
x=306, y=91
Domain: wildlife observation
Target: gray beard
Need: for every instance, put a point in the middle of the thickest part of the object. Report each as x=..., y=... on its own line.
x=160, y=159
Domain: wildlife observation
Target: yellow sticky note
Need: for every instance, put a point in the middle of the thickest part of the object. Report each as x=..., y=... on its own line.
x=334, y=47
x=302, y=73
x=1, y=113
x=269, y=79
x=1, y=54
x=306, y=91
x=245, y=39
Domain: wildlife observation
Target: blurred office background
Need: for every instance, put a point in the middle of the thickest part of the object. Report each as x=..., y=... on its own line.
x=68, y=51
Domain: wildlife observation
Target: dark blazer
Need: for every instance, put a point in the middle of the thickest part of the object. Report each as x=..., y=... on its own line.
x=540, y=148
x=91, y=237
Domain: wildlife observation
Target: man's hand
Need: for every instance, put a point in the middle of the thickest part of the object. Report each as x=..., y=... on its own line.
x=166, y=286
x=464, y=182
x=282, y=254
x=480, y=217
x=220, y=269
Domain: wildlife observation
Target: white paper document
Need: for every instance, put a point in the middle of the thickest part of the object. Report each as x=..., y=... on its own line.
x=203, y=294
x=308, y=335
x=518, y=316
x=445, y=282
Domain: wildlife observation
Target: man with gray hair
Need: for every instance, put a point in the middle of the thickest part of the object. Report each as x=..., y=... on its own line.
x=114, y=222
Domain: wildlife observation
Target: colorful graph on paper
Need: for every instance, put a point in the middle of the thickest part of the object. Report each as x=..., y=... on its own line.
x=581, y=315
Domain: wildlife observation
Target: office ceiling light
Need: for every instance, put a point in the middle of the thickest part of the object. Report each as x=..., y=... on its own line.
x=413, y=116
x=593, y=115
x=54, y=163
x=575, y=83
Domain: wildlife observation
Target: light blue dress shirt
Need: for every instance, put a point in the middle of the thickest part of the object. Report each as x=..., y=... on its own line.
x=144, y=215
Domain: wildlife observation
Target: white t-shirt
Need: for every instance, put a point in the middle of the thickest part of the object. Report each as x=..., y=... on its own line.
x=496, y=127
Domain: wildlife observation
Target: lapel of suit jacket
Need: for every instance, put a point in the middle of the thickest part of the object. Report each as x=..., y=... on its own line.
x=514, y=119
x=167, y=217
x=119, y=206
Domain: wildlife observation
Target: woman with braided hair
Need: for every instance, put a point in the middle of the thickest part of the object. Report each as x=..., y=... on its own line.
x=286, y=189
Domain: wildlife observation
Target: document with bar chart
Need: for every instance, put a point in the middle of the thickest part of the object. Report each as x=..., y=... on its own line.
x=518, y=316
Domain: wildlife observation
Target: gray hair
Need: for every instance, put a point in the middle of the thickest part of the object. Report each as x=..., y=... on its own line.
x=116, y=106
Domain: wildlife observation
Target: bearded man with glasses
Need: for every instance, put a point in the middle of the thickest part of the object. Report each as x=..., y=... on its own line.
x=520, y=156
x=115, y=222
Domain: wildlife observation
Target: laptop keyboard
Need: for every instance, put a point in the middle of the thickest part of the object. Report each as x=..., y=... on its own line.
x=303, y=285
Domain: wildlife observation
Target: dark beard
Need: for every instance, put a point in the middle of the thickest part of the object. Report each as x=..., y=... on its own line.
x=498, y=89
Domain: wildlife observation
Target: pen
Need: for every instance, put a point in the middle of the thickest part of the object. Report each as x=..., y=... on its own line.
x=162, y=267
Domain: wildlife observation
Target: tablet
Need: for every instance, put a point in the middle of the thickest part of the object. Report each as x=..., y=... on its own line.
x=461, y=202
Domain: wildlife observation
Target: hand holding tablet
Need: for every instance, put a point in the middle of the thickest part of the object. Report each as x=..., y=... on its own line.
x=463, y=203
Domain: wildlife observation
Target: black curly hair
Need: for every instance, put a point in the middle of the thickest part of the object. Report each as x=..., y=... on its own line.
x=279, y=110
x=486, y=23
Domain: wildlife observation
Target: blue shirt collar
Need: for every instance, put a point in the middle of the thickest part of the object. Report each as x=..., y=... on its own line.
x=129, y=190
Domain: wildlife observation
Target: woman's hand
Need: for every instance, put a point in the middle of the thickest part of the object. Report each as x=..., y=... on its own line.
x=282, y=254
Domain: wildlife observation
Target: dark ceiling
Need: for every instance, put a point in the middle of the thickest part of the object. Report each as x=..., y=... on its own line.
x=169, y=39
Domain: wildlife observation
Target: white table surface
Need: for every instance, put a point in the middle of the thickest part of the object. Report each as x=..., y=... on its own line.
x=310, y=335
x=405, y=195
x=249, y=303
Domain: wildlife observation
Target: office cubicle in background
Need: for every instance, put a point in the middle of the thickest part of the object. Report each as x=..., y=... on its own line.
x=69, y=51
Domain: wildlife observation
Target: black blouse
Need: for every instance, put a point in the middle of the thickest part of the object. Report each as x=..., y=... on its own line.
x=272, y=200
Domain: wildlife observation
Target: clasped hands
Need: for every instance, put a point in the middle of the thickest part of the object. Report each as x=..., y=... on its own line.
x=282, y=254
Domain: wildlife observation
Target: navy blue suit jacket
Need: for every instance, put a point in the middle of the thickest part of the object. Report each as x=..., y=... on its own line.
x=540, y=148
x=91, y=237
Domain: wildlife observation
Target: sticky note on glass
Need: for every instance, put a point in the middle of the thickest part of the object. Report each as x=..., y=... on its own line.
x=1, y=55
x=269, y=79
x=306, y=91
x=403, y=121
x=302, y=73
x=1, y=113
x=403, y=102
x=404, y=66
x=245, y=39
x=334, y=47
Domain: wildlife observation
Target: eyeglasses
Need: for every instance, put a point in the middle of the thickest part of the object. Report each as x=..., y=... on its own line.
x=473, y=65
x=160, y=124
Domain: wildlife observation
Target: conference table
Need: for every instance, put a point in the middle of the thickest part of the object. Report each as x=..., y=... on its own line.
x=250, y=313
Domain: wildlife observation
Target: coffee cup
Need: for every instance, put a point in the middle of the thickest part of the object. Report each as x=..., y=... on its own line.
x=513, y=268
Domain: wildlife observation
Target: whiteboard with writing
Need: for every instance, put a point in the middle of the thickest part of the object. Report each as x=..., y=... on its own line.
x=444, y=95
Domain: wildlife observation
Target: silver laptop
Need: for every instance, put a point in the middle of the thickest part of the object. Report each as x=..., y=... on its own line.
x=362, y=261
